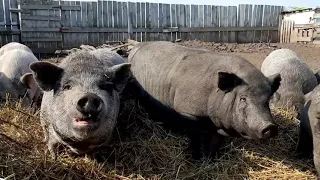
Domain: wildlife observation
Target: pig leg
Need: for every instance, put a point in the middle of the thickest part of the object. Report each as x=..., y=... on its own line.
x=212, y=144
x=304, y=143
x=316, y=160
x=196, y=129
x=45, y=130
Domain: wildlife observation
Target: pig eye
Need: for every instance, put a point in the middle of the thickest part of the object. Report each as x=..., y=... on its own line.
x=242, y=99
x=66, y=87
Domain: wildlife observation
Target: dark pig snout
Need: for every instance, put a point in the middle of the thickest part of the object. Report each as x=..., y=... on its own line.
x=90, y=104
x=269, y=131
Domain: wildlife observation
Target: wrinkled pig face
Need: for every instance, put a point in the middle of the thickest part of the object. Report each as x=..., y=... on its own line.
x=251, y=116
x=84, y=104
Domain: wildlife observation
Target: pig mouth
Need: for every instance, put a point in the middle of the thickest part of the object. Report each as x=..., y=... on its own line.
x=87, y=121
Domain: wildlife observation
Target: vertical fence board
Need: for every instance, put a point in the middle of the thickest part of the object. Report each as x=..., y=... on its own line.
x=188, y=20
x=201, y=22
x=173, y=17
x=125, y=19
x=143, y=20
x=138, y=20
x=100, y=21
x=105, y=19
x=115, y=20
x=153, y=16
x=119, y=24
x=84, y=21
x=14, y=20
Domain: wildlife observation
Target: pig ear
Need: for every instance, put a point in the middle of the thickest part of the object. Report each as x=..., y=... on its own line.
x=228, y=81
x=275, y=82
x=46, y=74
x=120, y=75
x=317, y=74
x=27, y=79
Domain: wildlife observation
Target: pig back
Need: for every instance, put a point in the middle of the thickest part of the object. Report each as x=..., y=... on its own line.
x=295, y=73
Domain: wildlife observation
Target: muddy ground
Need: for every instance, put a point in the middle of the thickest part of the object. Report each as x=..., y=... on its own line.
x=257, y=52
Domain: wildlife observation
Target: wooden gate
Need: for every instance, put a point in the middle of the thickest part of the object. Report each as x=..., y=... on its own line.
x=42, y=27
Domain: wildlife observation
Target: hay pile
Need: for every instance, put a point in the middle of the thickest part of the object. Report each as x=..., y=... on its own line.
x=142, y=150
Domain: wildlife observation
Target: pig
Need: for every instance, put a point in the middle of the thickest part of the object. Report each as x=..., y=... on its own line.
x=14, y=45
x=317, y=74
x=80, y=104
x=297, y=78
x=309, y=134
x=203, y=94
x=17, y=79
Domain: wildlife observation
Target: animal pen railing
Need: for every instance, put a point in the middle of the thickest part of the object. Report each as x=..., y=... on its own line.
x=68, y=24
x=293, y=33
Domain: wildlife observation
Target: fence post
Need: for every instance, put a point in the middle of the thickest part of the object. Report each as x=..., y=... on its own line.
x=130, y=32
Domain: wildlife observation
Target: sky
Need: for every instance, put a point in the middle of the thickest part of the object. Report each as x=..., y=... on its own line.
x=288, y=3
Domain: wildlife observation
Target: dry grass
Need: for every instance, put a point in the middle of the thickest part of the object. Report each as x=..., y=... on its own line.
x=144, y=151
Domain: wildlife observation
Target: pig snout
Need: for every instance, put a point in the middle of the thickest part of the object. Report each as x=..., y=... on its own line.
x=269, y=131
x=90, y=105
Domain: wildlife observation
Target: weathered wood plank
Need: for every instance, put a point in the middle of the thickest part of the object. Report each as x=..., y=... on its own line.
x=153, y=13
x=8, y=38
x=105, y=19
x=100, y=22
x=201, y=22
x=125, y=19
x=95, y=36
x=182, y=20
x=148, y=21
x=73, y=23
x=40, y=18
x=166, y=22
x=214, y=23
x=138, y=20
x=46, y=7
x=115, y=19
x=132, y=16
x=266, y=14
x=143, y=21
x=66, y=22
x=84, y=20
x=233, y=35
x=241, y=23
x=173, y=17
x=194, y=21
x=110, y=21
x=14, y=19
x=90, y=22
x=40, y=39
x=120, y=19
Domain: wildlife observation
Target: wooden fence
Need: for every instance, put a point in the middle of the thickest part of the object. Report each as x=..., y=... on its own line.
x=9, y=22
x=293, y=33
x=72, y=23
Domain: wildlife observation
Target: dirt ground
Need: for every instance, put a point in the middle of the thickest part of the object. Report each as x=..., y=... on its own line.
x=257, y=52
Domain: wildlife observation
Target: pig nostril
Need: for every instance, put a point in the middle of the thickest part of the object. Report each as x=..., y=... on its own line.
x=96, y=103
x=270, y=131
x=82, y=102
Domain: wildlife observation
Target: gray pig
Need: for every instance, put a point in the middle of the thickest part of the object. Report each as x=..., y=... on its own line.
x=297, y=78
x=80, y=105
x=14, y=45
x=206, y=94
x=309, y=135
x=16, y=78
